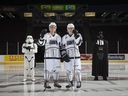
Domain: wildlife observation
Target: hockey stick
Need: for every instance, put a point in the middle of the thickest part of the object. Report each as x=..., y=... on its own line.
x=45, y=71
x=74, y=67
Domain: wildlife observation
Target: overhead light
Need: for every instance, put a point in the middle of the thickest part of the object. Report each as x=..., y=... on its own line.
x=120, y=14
x=11, y=15
x=114, y=14
x=12, y=9
x=106, y=14
x=90, y=14
x=103, y=14
x=1, y=16
x=50, y=14
x=27, y=14
x=69, y=14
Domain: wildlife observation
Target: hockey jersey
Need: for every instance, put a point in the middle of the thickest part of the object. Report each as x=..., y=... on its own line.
x=52, y=45
x=72, y=45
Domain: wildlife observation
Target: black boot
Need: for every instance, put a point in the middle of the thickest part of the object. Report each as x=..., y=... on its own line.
x=78, y=84
x=46, y=85
x=96, y=78
x=70, y=84
x=56, y=84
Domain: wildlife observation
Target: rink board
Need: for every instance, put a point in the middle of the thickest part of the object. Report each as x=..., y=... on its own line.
x=86, y=65
x=15, y=62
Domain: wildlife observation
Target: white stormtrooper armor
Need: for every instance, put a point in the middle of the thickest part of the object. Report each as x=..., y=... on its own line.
x=29, y=48
x=52, y=54
x=71, y=45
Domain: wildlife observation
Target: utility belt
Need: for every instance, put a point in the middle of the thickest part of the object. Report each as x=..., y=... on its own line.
x=29, y=59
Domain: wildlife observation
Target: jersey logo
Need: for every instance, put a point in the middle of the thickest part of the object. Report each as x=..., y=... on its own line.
x=52, y=42
x=70, y=42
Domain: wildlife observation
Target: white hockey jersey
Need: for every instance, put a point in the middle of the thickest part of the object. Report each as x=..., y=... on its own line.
x=52, y=45
x=72, y=45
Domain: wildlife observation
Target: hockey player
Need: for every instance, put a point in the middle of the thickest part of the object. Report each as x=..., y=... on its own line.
x=51, y=41
x=29, y=48
x=71, y=42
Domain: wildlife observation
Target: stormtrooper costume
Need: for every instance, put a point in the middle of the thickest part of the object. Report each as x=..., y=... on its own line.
x=71, y=42
x=51, y=41
x=29, y=48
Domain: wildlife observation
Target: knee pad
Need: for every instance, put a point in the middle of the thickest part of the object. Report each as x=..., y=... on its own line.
x=69, y=75
x=46, y=75
x=78, y=74
x=56, y=70
x=55, y=75
x=68, y=72
x=78, y=71
x=46, y=72
x=31, y=68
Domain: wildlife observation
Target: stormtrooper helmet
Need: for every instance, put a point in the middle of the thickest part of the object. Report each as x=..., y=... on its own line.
x=29, y=39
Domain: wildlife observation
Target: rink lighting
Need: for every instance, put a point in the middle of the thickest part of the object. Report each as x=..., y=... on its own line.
x=1, y=16
x=104, y=14
x=28, y=14
x=11, y=15
x=49, y=14
x=90, y=14
x=69, y=14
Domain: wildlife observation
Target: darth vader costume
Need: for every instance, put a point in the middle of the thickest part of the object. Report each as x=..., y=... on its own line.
x=100, y=57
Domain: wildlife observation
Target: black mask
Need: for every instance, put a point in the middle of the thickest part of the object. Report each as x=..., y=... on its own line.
x=29, y=43
x=100, y=36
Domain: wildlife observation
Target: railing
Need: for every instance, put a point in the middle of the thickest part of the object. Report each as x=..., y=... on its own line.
x=10, y=48
x=16, y=47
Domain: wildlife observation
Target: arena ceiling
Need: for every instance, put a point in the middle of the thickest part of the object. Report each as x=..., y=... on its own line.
x=90, y=2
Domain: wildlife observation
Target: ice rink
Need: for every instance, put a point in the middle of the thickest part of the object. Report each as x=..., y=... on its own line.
x=11, y=82
x=81, y=33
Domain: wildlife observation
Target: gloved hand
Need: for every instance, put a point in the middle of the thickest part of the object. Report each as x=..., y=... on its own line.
x=27, y=47
x=44, y=31
x=76, y=34
x=64, y=55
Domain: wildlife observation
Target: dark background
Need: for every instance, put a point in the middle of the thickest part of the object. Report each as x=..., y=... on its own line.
x=115, y=27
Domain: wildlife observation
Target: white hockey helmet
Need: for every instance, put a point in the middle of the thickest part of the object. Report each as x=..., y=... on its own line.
x=29, y=39
x=52, y=24
x=70, y=25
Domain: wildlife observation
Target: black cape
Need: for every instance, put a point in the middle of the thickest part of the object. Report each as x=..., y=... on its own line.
x=100, y=59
